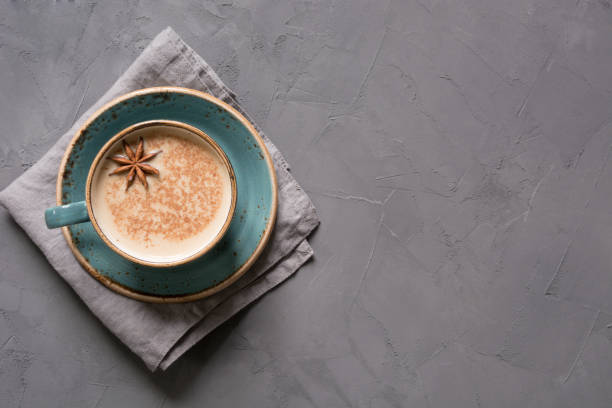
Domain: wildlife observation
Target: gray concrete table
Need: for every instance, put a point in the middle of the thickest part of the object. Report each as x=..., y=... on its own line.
x=458, y=155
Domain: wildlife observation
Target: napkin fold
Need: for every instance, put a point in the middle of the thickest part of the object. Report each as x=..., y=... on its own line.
x=160, y=333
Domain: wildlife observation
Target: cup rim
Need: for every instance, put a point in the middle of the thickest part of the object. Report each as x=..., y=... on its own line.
x=141, y=125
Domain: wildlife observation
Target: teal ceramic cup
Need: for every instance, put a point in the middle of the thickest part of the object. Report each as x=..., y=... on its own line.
x=83, y=211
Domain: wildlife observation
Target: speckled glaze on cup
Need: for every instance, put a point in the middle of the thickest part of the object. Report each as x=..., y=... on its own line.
x=126, y=132
x=256, y=197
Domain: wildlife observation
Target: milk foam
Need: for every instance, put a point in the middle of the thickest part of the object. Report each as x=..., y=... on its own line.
x=180, y=212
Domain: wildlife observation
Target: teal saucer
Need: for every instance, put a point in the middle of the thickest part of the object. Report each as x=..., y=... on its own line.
x=253, y=218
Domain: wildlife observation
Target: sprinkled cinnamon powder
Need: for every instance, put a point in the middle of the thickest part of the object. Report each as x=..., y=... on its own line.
x=179, y=203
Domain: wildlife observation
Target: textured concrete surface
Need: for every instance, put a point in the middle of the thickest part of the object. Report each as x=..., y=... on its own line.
x=458, y=154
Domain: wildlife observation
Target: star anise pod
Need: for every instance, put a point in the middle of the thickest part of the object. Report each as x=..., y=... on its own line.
x=134, y=163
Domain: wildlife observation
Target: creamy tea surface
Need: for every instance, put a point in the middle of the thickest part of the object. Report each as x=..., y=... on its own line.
x=185, y=203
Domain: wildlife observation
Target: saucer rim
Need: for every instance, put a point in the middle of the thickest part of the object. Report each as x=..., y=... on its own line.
x=265, y=237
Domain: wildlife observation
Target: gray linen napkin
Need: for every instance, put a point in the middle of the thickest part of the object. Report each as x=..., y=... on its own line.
x=160, y=334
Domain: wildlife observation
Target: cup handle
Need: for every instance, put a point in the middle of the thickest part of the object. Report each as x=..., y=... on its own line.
x=68, y=214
